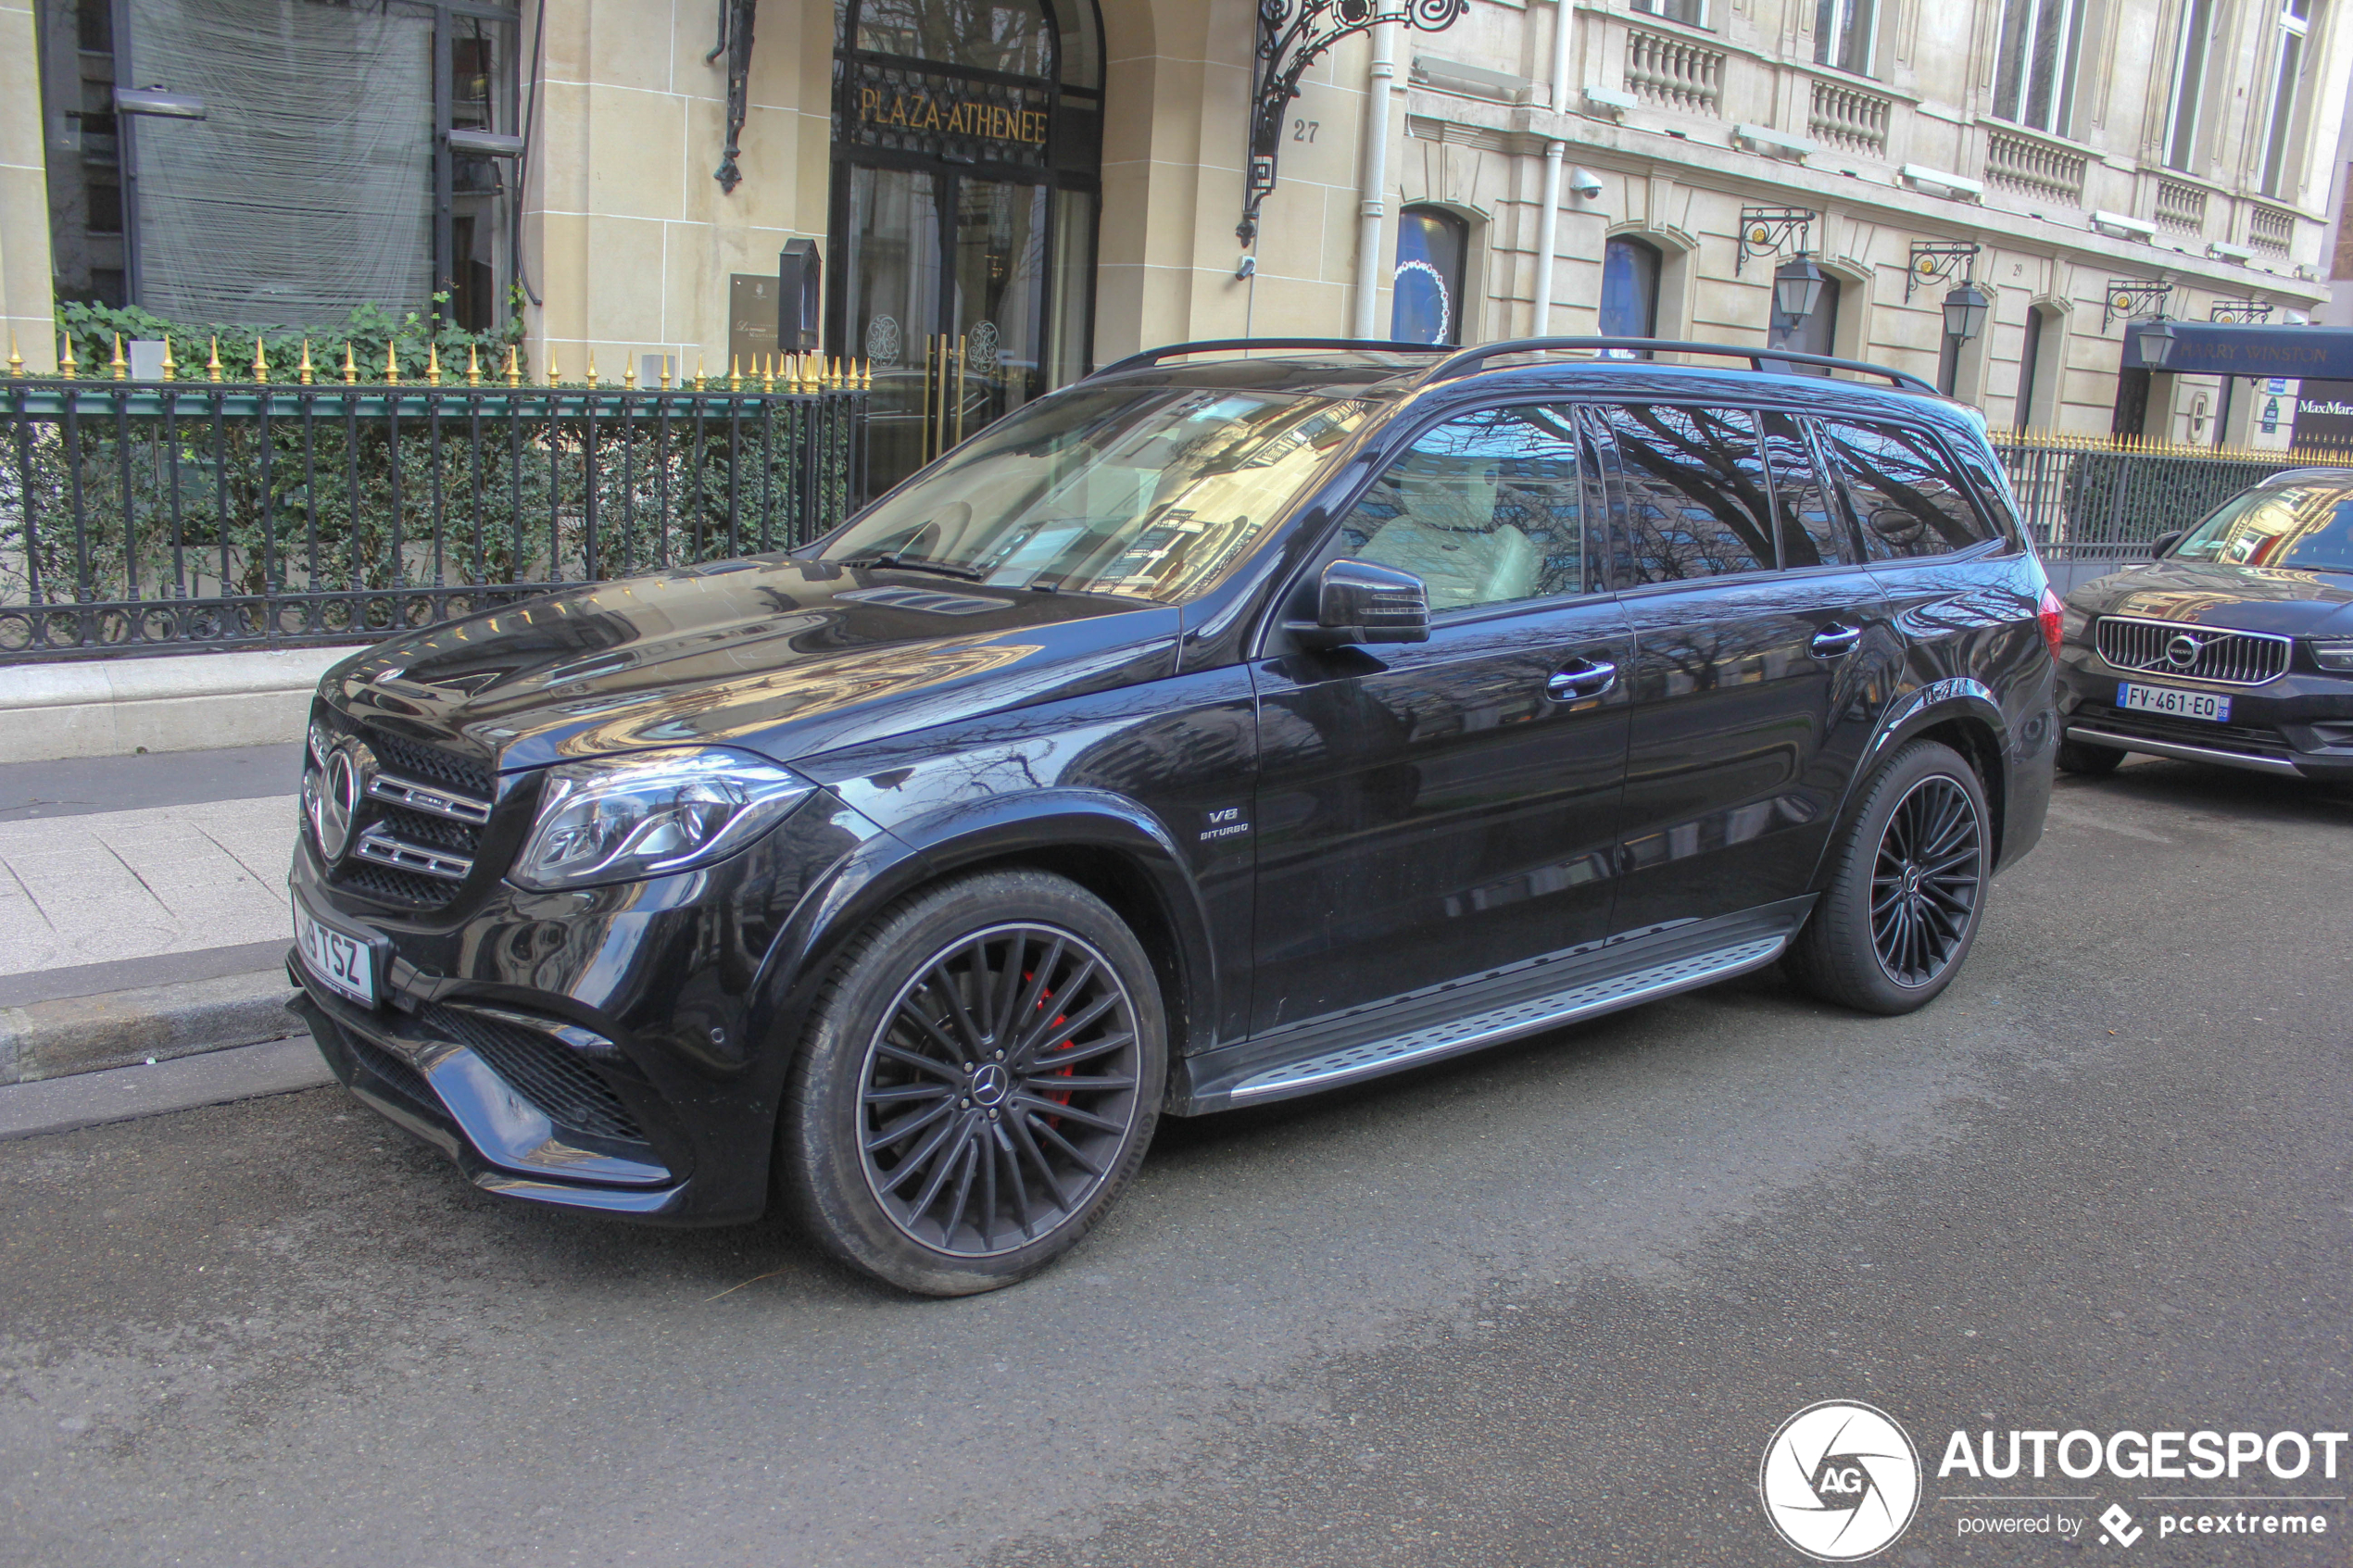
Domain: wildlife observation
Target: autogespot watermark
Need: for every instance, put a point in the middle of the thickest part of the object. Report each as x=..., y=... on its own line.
x=1841, y=1481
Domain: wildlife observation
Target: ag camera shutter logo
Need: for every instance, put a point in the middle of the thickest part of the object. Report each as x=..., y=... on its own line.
x=1840, y=1480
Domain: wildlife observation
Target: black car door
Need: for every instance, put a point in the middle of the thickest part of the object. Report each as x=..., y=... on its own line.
x=1427, y=811
x=1752, y=617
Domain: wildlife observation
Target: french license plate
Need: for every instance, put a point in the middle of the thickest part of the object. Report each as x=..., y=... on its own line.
x=2180, y=705
x=344, y=963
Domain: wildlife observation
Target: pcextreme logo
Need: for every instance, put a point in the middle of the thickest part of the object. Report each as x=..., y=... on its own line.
x=1841, y=1481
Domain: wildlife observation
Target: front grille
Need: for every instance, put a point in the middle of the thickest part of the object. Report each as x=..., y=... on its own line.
x=409, y=857
x=2229, y=659
x=2248, y=739
x=540, y=1068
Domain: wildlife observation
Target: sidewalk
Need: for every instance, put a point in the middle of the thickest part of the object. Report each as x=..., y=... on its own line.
x=142, y=910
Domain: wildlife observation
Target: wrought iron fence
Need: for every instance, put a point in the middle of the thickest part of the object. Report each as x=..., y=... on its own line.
x=2107, y=498
x=178, y=516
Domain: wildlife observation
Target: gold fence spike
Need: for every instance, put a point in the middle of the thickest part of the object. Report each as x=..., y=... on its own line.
x=735, y=375
x=170, y=368
x=392, y=363
x=121, y=365
x=768, y=373
x=629, y=372
x=65, y=366
x=552, y=372
x=303, y=372
x=473, y=367
x=514, y=364
x=432, y=363
x=698, y=375
x=592, y=368
x=350, y=365
x=666, y=372
x=260, y=361
x=16, y=359
x=212, y=366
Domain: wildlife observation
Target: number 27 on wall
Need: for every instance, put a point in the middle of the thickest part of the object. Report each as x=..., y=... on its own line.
x=1304, y=130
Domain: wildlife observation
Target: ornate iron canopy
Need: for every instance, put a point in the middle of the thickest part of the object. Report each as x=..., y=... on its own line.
x=1938, y=260
x=735, y=42
x=1292, y=36
x=1765, y=230
x=2129, y=299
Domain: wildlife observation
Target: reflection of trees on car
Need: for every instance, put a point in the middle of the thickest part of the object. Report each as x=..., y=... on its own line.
x=1695, y=491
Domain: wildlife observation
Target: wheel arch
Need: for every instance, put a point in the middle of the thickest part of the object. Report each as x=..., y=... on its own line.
x=1104, y=843
x=1959, y=714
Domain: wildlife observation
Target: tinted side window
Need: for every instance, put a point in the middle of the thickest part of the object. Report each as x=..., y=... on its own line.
x=1812, y=533
x=1483, y=508
x=1977, y=466
x=1695, y=488
x=1907, y=498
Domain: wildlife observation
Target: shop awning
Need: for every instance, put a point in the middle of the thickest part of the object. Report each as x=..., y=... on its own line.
x=2202, y=348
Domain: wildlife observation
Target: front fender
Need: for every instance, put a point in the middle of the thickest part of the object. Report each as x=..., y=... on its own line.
x=1101, y=839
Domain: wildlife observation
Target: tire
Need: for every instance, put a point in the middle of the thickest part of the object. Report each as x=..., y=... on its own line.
x=2090, y=762
x=995, y=1170
x=1906, y=887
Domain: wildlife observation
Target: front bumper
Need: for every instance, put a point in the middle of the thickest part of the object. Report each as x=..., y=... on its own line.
x=619, y=1050
x=2296, y=725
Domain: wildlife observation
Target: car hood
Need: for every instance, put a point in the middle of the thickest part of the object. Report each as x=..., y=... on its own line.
x=2238, y=598
x=784, y=658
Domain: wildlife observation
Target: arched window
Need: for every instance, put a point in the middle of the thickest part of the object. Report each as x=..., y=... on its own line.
x=1425, y=302
x=1629, y=289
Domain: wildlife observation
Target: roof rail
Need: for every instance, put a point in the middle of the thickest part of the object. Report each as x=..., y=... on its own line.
x=1236, y=345
x=1469, y=361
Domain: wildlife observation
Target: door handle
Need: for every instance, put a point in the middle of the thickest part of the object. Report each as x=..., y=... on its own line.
x=1835, y=639
x=1581, y=679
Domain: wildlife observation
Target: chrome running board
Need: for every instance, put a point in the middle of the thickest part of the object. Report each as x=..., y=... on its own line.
x=1497, y=1024
x=2278, y=765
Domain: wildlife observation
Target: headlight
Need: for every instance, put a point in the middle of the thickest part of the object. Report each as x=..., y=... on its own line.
x=625, y=818
x=2337, y=655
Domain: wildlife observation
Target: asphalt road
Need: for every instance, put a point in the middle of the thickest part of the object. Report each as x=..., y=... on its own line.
x=1543, y=1306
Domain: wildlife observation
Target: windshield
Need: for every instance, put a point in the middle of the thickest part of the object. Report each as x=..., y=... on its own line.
x=1146, y=492
x=2309, y=526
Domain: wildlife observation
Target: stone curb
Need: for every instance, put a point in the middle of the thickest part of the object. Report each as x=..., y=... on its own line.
x=73, y=1034
x=93, y=1099
x=114, y=706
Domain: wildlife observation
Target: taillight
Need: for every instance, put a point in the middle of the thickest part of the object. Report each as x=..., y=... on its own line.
x=2051, y=615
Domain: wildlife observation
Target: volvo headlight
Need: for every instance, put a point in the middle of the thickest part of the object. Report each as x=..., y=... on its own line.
x=2335, y=655
x=626, y=819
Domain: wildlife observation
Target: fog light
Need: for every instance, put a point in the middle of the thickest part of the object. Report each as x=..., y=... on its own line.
x=2334, y=656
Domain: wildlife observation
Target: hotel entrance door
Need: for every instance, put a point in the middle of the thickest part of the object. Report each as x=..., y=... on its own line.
x=963, y=213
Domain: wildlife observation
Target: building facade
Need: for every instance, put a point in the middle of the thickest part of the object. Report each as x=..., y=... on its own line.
x=998, y=194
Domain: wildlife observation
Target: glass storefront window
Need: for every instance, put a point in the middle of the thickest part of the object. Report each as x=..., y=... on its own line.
x=319, y=180
x=1426, y=298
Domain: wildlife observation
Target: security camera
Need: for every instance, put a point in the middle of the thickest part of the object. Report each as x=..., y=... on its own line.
x=1584, y=182
x=1246, y=267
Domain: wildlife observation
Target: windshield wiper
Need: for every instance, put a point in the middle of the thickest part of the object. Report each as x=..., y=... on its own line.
x=916, y=563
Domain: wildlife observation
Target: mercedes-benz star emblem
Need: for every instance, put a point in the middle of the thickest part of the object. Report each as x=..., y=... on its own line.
x=991, y=1083
x=2182, y=652
x=335, y=806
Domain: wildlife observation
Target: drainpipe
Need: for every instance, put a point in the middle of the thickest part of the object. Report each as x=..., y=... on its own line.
x=1560, y=58
x=1548, y=233
x=1372, y=205
x=1548, y=229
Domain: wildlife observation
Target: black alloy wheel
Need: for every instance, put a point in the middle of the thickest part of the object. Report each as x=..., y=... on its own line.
x=999, y=1090
x=1925, y=888
x=1905, y=887
x=978, y=1082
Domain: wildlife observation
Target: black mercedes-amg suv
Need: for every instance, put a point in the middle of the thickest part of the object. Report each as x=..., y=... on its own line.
x=1240, y=721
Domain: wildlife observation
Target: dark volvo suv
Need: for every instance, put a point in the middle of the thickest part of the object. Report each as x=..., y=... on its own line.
x=1217, y=728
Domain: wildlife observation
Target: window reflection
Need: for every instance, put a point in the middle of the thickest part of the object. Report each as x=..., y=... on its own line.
x=1695, y=501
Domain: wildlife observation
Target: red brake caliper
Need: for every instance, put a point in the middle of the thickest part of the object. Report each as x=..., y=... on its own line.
x=1059, y=1096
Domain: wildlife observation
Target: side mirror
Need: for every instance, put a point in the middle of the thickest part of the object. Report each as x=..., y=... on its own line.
x=1358, y=602
x=2166, y=542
